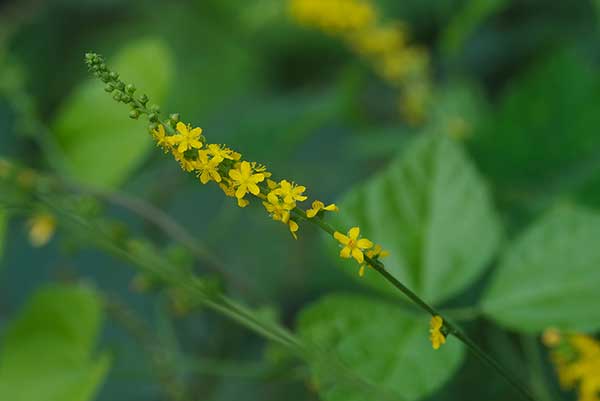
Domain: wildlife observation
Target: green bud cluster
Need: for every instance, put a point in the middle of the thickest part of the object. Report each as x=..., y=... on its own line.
x=121, y=92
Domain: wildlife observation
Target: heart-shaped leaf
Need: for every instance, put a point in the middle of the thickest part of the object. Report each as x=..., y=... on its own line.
x=549, y=277
x=382, y=344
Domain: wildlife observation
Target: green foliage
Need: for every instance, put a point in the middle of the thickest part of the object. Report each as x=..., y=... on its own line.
x=466, y=21
x=384, y=344
x=545, y=127
x=47, y=352
x=432, y=211
x=549, y=276
x=102, y=146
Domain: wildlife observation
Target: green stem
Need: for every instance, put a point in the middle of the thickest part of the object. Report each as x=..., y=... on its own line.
x=450, y=328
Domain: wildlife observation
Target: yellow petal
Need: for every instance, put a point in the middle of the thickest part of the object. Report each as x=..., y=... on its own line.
x=245, y=168
x=342, y=239
x=317, y=205
x=181, y=127
x=196, y=132
x=310, y=213
x=345, y=252
x=241, y=191
x=235, y=175
x=358, y=255
x=364, y=243
x=254, y=189
x=354, y=233
x=243, y=202
x=258, y=177
x=361, y=271
x=331, y=208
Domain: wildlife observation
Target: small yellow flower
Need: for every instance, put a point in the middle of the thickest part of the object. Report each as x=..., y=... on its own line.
x=353, y=247
x=291, y=192
x=435, y=329
x=41, y=229
x=207, y=168
x=244, y=180
x=280, y=211
x=187, y=137
x=375, y=253
x=223, y=152
x=317, y=206
x=161, y=137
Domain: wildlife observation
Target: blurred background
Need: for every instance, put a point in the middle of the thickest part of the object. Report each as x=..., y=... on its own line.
x=325, y=96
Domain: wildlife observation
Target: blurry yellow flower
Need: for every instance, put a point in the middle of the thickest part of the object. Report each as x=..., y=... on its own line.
x=435, y=329
x=353, y=246
x=317, y=206
x=244, y=180
x=577, y=361
x=207, y=168
x=41, y=229
x=290, y=192
x=187, y=137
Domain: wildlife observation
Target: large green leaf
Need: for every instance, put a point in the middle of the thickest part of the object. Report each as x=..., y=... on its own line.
x=383, y=344
x=432, y=211
x=101, y=144
x=549, y=276
x=47, y=352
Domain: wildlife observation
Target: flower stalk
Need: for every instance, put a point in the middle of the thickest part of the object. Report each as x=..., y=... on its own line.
x=243, y=180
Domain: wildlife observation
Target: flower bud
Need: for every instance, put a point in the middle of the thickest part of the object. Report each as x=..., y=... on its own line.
x=109, y=88
x=134, y=114
x=155, y=108
x=174, y=117
x=153, y=117
x=143, y=99
x=130, y=89
x=117, y=96
x=114, y=75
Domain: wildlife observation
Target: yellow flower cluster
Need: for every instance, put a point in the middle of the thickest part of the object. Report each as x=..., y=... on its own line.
x=436, y=336
x=577, y=361
x=236, y=177
x=334, y=16
x=384, y=45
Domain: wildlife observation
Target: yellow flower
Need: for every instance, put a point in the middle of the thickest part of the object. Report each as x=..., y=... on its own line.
x=290, y=192
x=353, y=247
x=317, y=206
x=375, y=253
x=435, y=329
x=207, y=168
x=280, y=211
x=187, y=165
x=187, y=138
x=244, y=180
x=41, y=229
x=161, y=137
x=223, y=152
x=577, y=361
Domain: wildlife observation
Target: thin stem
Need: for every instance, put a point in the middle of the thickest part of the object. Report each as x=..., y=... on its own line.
x=450, y=328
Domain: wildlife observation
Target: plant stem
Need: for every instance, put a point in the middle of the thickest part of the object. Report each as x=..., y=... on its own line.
x=450, y=328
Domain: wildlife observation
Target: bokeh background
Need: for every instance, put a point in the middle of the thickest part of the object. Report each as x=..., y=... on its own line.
x=514, y=85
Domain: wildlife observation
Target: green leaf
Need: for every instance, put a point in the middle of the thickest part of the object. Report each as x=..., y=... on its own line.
x=383, y=344
x=432, y=211
x=101, y=144
x=549, y=277
x=47, y=352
